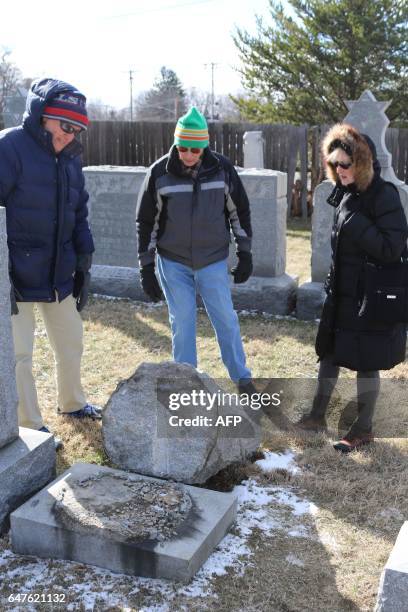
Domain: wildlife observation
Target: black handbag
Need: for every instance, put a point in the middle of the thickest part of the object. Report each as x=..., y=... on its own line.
x=385, y=298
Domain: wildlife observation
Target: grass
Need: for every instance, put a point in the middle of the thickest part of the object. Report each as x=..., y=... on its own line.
x=298, y=251
x=361, y=497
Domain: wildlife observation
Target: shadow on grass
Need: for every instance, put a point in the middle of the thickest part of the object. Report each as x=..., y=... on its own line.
x=138, y=321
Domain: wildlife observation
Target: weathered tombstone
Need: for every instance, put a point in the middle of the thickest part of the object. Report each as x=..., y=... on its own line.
x=393, y=589
x=254, y=150
x=8, y=391
x=123, y=522
x=27, y=457
x=368, y=116
x=145, y=430
x=113, y=195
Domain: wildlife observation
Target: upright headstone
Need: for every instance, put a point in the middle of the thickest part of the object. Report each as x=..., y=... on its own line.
x=8, y=392
x=368, y=116
x=253, y=150
x=27, y=457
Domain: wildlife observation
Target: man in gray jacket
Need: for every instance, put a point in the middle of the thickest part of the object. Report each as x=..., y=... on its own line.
x=190, y=201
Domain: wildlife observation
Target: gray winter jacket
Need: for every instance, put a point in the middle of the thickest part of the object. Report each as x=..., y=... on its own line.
x=189, y=220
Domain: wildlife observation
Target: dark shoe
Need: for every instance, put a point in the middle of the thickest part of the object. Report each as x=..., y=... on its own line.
x=310, y=423
x=351, y=443
x=57, y=441
x=87, y=412
x=245, y=385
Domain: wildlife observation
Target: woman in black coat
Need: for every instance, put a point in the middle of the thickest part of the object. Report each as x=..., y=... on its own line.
x=369, y=225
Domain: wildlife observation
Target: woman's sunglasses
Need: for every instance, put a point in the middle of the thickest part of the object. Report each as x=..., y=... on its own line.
x=344, y=165
x=68, y=128
x=193, y=150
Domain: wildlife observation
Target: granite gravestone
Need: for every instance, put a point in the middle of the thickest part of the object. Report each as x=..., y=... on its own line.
x=368, y=116
x=253, y=150
x=27, y=457
x=8, y=391
x=145, y=430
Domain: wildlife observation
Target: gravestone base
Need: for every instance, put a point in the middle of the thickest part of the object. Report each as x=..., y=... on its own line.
x=393, y=589
x=309, y=303
x=26, y=465
x=38, y=529
x=276, y=295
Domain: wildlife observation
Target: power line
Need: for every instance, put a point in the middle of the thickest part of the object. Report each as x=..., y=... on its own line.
x=159, y=8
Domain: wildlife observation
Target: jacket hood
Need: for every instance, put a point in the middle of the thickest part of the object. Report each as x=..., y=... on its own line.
x=358, y=146
x=41, y=92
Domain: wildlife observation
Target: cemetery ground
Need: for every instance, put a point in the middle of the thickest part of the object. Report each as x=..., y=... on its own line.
x=314, y=528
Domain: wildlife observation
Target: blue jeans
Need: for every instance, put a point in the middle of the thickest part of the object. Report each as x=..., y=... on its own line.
x=180, y=284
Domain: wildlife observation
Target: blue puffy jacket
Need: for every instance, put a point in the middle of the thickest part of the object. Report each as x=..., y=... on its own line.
x=45, y=203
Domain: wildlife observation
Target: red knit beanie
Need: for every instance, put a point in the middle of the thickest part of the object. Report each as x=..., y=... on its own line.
x=68, y=106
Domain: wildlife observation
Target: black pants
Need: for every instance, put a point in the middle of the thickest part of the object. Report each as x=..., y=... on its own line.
x=368, y=387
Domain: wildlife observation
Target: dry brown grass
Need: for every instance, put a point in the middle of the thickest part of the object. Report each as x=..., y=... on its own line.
x=361, y=497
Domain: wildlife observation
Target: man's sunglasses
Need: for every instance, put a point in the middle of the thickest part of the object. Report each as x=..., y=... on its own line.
x=193, y=150
x=344, y=165
x=68, y=128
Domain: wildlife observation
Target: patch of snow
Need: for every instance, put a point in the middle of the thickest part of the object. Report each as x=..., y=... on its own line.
x=299, y=532
x=293, y=560
x=274, y=461
x=328, y=540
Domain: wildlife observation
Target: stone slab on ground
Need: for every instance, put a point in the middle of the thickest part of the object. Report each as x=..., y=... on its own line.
x=393, y=589
x=26, y=466
x=309, y=302
x=36, y=530
x=8, y=391
x=274, y=295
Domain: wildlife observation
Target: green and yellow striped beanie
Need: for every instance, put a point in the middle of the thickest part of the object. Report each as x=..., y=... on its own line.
x=192, y=130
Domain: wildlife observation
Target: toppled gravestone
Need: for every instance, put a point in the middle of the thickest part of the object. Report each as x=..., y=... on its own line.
x=123, y=507
x=170, y=421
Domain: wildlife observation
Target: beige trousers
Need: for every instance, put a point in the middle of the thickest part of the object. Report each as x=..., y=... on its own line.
x=64, y=330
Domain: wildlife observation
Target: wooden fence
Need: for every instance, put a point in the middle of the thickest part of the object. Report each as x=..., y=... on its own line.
x=288, y=148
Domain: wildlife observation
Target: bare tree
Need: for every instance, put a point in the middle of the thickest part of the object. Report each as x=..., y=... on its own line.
x=10, y=76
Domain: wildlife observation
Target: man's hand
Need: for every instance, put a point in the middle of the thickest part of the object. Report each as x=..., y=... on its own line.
x=243, y=270
x=150, y=283
x=82, y=280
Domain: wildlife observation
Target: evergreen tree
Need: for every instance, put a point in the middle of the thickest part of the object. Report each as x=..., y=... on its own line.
x=166, y=101
x=302, y=69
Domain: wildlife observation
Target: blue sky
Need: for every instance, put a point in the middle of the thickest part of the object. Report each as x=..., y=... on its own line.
x=93, y=44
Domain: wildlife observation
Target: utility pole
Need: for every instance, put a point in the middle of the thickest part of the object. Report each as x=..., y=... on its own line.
x=131, y=93
x=213, y=65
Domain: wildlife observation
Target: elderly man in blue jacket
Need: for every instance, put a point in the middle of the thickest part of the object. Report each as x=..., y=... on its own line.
x=50, y=243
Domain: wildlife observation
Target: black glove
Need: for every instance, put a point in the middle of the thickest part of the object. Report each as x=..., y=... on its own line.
x=150, y=283
x=13, y=293
x=82, y=280
x=13, y=301
x=243, y=270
